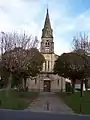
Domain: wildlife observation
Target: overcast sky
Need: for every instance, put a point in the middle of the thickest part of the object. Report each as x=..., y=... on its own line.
x=68, y=18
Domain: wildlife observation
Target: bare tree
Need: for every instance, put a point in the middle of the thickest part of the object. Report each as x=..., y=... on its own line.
x=81, y=45
x=10, y=41
x=13, y=51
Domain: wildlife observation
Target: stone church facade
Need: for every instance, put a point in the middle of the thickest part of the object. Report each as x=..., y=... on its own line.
x=46, y=81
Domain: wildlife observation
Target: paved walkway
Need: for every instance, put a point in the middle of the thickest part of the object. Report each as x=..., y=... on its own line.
x=49, y=102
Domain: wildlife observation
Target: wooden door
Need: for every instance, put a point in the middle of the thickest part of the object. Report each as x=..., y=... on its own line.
x=47, y=85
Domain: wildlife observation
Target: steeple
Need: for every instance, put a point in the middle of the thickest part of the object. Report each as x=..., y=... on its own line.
x=47, y=44
x=47, y=21
x=47, y=30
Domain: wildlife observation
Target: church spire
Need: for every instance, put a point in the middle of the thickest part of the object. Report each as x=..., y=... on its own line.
x=47, y=30
x=47, y=20
x=47, y=44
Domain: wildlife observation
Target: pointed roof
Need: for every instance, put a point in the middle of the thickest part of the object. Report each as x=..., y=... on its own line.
x=47, y=30
x=47, y=20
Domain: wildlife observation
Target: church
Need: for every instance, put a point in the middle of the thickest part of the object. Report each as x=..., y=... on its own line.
x=46, y=81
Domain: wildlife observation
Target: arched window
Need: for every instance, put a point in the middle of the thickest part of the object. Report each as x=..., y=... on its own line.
x=47, y=43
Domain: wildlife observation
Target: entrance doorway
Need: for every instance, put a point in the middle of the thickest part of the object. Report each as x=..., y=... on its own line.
x=47, y=85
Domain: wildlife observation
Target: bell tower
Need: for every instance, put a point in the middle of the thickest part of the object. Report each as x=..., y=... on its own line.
x=47, y=44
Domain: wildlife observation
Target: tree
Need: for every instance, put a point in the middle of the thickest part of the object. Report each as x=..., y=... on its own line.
x=22, y=63
x=33, y=64
x=81, y=45
x=34, y=61
x=70, y=65
x=12, y=40
x=13, y=62
x=13, y=53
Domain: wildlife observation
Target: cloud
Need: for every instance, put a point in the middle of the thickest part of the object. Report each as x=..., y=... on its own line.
x=18, y=13
x=66, y=27
x=29, y=15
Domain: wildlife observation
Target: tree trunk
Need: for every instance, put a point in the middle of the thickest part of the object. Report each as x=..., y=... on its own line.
x=9, y=84
x=73, y=86
x=61, y=84
x=86, y=84
x=81, y=91
x=24, y=83
x=9, y=81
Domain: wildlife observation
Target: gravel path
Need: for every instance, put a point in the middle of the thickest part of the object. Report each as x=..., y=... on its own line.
x=49, y=102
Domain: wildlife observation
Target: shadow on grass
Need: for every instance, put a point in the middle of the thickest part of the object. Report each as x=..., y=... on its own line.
x=16, y=100
x=77, y=103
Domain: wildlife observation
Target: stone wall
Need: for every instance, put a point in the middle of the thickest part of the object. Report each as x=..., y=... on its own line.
x=57, y=83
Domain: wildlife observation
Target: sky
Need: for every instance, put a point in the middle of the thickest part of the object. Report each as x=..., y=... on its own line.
x=68, y=18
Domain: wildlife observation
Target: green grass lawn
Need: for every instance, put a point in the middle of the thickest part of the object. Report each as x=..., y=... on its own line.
x=74, y=101
x=16, y=100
